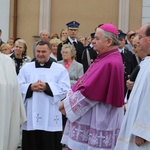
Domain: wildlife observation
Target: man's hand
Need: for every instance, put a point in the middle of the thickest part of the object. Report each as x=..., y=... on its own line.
x=129, y=84
x=61, y=108
x=139, y=141
x=35, y=87
x=38, y=86
x=41, y=86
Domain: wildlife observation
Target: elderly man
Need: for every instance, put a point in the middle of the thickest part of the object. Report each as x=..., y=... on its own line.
x=44, y=36
x=94, y=107
x=134, y=133
x=43, y=85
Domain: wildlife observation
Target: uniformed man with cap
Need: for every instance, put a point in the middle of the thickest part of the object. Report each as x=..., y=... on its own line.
x=73, y=28
x=128, y=57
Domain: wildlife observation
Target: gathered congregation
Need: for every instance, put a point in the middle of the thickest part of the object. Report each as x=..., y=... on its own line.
x=82, y=93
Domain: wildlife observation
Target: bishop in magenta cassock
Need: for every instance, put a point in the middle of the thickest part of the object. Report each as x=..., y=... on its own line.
x=94, y=106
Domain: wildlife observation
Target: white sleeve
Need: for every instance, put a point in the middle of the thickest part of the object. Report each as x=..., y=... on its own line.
x=24, y=85
x=76, y=105
x=61, y=87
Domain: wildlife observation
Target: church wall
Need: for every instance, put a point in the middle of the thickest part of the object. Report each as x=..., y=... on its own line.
x=28, y=22
x=88, y=13
x=135, y=17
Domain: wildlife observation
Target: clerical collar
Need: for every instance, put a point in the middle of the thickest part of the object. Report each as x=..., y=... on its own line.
x=75, y=40
x=46, y=65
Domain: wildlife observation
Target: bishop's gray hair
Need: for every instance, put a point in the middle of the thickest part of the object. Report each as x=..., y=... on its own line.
x=109, y=35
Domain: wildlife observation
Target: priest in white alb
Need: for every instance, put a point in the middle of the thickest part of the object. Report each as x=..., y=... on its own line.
x=43, y=85
x=135, y=129
x=12, y=113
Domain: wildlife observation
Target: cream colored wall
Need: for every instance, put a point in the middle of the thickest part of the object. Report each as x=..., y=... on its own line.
x=89, y=13
x=11, y=18
x=28, y=22
x=135, y=18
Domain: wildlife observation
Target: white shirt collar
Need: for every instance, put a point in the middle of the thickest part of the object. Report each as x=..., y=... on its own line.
x=72, y=40
x=121, y=50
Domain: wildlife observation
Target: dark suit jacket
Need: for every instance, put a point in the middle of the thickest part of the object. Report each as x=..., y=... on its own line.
x=93, y=55
x=130, y=63
x=79, y=48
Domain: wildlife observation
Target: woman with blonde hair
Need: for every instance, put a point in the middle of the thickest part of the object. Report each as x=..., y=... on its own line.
x=53, y=46
x=19, y=55
x=63, y=35
x=5, y=49
x=10, y=41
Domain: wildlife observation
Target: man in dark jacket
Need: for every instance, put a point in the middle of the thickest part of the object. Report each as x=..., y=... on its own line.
x=73, y=28
x=128, y=58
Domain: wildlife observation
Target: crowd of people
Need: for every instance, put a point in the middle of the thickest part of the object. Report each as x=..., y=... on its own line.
x=85, y=93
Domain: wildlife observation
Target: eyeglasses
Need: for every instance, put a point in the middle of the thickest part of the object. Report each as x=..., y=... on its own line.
x=140, y=37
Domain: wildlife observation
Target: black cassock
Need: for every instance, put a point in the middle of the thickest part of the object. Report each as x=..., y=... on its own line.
x=41, y=140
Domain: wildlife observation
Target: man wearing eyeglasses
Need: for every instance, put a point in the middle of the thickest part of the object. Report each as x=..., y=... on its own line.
x=134, y=133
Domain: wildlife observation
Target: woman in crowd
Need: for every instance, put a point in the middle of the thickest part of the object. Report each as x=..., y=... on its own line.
x=19, y=55
x=54, y=36
x=53, y=45
x=63, y=35
x=74, y=68
x=5, y=49
x=11, y=43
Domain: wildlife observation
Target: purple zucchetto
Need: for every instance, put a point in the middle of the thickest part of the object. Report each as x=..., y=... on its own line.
x=109, y=28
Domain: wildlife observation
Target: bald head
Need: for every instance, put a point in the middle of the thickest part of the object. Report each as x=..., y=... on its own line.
x=144, y=36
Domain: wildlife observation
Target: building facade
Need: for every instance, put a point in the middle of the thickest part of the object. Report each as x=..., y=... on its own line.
x=26, y=19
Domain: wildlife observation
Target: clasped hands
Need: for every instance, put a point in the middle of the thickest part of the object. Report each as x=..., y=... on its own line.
x=38, y=86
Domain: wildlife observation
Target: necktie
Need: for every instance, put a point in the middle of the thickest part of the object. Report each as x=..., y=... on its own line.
x=122, y=54
x=74, y=43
